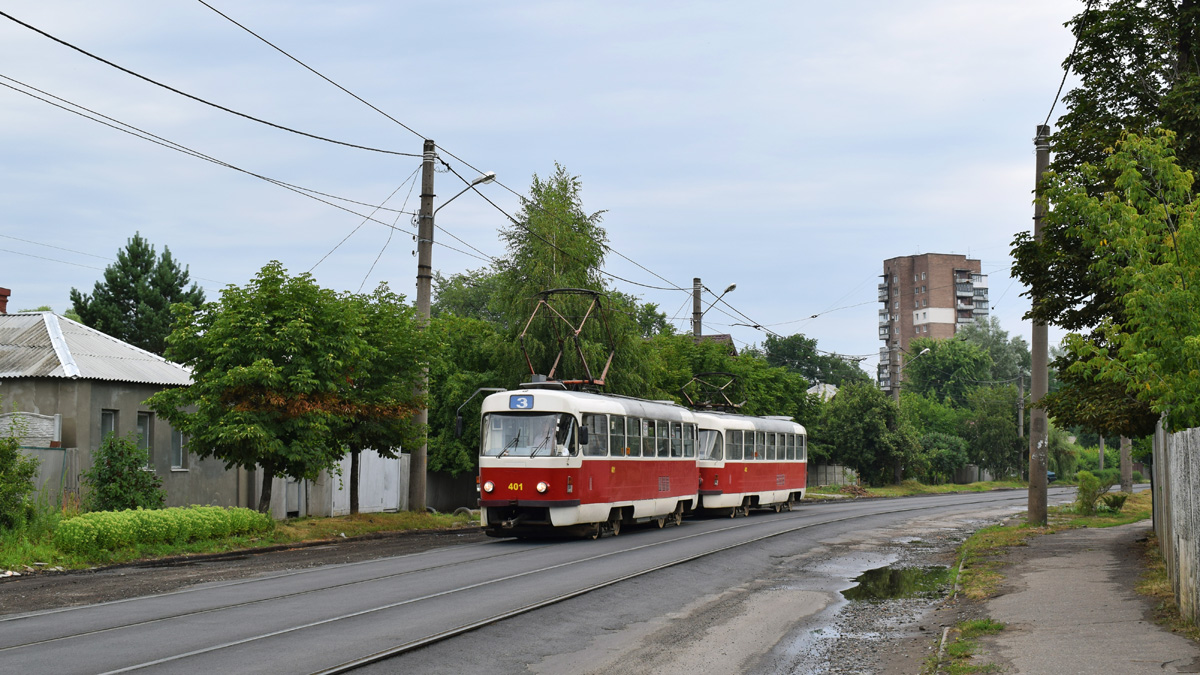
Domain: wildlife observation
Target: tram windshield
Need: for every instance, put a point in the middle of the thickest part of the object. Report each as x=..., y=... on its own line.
x=709, y=446
x=528, y=435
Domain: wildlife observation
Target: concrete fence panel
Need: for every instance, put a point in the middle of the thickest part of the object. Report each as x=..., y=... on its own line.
x=1177, y=513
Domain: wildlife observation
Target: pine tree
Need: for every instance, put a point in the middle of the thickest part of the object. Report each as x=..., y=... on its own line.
x=133, y=302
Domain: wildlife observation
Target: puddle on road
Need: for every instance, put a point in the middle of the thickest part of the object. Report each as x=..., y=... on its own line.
x=887, y=583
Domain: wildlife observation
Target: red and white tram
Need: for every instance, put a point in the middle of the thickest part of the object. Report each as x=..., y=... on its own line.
x=750, y=462
x=553, y=460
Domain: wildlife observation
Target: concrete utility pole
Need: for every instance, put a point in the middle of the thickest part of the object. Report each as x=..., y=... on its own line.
x=1126, y=465
x=1040, y=379
x=1101, y=467
x=1021, y=404
x=419, y=458
x=696, y=313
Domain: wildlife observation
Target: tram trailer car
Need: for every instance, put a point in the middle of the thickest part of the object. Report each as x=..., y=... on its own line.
x=750, y=462
x=554, y=461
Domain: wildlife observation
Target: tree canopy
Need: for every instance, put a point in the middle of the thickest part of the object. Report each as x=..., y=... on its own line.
x=283, y=374
x=799, y=354
x=133, y=302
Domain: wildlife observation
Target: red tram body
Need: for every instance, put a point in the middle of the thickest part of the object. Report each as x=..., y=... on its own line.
x=750, y=462
x=558, y=461
x=553, y=460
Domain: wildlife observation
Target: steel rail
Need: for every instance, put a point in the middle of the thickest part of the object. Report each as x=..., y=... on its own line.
x=466, y=628
x=239, y=582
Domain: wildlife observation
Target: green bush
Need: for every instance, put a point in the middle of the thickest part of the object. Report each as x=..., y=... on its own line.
x=17, y=471
x=1137, y=477
x=1115, y=501
x=111, y=530
x=1111, y=476
x=1091, y=488
x=119, y=480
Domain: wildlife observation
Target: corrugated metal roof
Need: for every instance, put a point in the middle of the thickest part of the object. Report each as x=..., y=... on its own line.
x=42, y=344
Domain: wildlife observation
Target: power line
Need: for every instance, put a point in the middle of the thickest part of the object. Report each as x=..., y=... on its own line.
x=364, y=221
x=197, y=98
x=1067, y=65
x=137, y=132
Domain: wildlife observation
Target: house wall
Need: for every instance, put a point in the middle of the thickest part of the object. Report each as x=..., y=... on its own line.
x=80, y=403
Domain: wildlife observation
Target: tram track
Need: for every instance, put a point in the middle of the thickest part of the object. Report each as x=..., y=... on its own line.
x=240, y=582
x=412, y=645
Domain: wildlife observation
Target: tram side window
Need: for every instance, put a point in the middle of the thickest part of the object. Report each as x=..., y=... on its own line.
x=648, y=442
x=616, y=436
x=791, y=446
x=633, y=438
x=760, y=445
x=735, y=444
x=676, y=439
x=802, y=447
x=689, y=440
x=771, y=446
x=597, y=426
x=664, y=438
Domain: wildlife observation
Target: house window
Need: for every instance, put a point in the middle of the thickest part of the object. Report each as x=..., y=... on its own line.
x=916, y=303
x=914, y=277
x=145, y=436
x=178, y=454
x=922, y=276
x=895, y=304
x=108, y=423
x=924, y=303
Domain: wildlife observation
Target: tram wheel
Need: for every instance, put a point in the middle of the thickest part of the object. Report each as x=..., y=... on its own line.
x=677, y=517
x=615, y=526
x=778, y=508
x=662, y=522
x=597, y=531
x=787, y=506
x=733, y=513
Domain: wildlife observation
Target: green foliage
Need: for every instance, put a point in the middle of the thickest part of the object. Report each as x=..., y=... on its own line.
x=17, y=471
x=1010, y=357
x=473, y=294
x=465, y=359
x=1115, y=501
x=929, y=415
x=861, y=428
x=1091, y=488
x=134, y=301
x=950, y=369
x=945, y=454
x=111, y=530
x=990, y=430
x=1063, y=454
x=118, y=478
x=799, y=354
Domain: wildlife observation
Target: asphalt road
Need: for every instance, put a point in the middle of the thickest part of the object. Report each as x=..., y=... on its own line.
x=722, y=577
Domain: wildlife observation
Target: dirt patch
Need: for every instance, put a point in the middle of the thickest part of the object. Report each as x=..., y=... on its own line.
x=52, y=590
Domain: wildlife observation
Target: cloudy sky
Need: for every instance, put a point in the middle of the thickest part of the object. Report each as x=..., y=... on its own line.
x=787, y=147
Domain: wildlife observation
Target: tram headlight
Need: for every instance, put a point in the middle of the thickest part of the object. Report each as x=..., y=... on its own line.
x=543, y=486
x=488, y=486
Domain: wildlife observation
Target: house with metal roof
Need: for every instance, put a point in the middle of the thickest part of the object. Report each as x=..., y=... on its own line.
x=71, y=385
x=91, y=384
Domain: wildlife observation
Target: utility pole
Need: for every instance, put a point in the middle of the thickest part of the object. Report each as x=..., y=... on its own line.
x=1040, y=377
x=696, y=313
x=1021, y=404
x=419, y=458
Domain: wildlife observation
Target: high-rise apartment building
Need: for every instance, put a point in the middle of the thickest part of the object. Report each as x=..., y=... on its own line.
x=928, y=295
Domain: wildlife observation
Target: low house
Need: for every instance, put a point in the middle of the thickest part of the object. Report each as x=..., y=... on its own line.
x=67, y=386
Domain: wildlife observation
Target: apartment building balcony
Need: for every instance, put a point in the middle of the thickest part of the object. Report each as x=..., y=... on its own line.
x=885, y=357
x=884, y=317
x=965, y=304
x=980, y=310
x=980, y=281
x=885, y=332
x=967, y=290
x=962, y=276
x=883, y=292
x=965, y=320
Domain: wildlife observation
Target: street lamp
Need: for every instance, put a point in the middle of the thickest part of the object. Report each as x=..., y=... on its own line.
x=419, y=457
x=697, y=315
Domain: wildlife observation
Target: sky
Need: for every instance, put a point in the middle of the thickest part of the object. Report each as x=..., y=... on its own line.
x=786, y=147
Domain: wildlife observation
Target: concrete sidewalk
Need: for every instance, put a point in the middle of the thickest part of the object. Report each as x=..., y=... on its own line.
x=1070, y=607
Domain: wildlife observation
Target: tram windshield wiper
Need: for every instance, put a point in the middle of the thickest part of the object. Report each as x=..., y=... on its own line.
x=511, y=444
x=549, y=435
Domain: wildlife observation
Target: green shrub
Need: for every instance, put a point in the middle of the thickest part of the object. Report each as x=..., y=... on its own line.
x=1137, y=477
x=1091, y=488
x=119, y=480
x=1115, y=501
x=17, y=471
x=110, y=530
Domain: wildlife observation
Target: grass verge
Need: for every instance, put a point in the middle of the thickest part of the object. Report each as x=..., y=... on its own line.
x=912, y=487
x=983, y=553
x=1155, y=584
x=957, y=652
x=32, y=547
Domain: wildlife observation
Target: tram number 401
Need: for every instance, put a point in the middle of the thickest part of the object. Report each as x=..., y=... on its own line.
x=516, y=486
